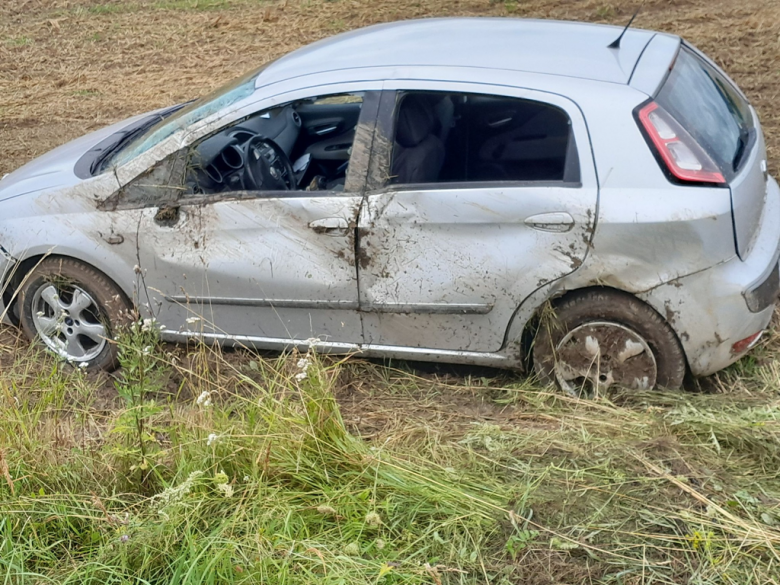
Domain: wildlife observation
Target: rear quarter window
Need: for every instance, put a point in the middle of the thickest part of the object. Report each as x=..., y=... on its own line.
x=708, y=106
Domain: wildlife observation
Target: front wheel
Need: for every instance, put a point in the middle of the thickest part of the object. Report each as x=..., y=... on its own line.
x=597, y=339
x=74, y=310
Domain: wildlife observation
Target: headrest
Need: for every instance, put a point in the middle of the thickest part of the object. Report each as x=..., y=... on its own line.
x=415, y=121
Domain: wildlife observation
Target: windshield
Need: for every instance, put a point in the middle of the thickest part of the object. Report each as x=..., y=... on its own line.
x=707, y=106
x=223, y=97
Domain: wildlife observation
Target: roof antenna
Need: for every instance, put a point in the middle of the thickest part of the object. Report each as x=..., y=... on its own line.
x=616, y=43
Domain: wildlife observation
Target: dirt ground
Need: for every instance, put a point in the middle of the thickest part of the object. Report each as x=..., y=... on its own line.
x=71, y=66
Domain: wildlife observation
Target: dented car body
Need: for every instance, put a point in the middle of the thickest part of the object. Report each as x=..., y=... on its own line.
x=423, y=190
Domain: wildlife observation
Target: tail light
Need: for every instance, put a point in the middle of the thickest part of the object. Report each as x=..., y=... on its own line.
x=685, y=159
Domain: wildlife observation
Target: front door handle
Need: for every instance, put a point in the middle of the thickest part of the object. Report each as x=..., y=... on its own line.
x=555, y=221
x=333, y=226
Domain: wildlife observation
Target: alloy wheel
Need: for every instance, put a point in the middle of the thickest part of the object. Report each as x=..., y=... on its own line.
x=67, y=320
x=599, y=354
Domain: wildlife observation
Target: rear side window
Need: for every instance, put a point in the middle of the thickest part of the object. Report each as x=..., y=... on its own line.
x=709, y=107
x=464, y=138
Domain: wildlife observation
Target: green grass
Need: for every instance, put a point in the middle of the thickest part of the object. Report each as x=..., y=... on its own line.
x=191, y=4
x=203, y=468
x=86, y=92
x=19, y=41
x=173, y=5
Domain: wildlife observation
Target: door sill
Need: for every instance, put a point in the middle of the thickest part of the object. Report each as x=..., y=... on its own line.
x=496, y=360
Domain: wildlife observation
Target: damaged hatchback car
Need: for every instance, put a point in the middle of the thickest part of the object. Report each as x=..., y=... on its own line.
x=589, y=201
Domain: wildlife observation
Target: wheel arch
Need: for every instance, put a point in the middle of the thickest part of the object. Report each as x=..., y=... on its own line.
x=18, y=275
x=527, y=333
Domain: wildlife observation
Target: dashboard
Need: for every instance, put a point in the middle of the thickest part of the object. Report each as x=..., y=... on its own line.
x=219, y=163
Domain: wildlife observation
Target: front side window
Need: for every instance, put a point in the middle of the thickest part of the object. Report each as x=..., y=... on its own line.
x=444, y=138
x=301, y=145
x=305, y=145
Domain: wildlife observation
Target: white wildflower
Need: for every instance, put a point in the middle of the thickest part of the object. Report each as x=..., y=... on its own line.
x=303, y=365
x=380, y=544
x=147, y=350
x=172, y=495
x=137, y=269
x=212, y=438
x=221, y=479
x=147, y=324
x=352, y=549
x=313, y=341
x=192, y=320
x=247, y=479
x=373, y=519
x=84, y=365
x=204, y=399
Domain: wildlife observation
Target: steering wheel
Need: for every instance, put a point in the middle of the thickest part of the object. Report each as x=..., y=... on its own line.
x=267, y=166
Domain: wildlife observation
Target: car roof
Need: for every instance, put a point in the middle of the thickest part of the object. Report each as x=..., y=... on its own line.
x=571, y=49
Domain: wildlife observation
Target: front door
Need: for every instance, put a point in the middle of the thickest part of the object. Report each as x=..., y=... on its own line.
x=230, y=259
x=490, y=197
x=280, y=269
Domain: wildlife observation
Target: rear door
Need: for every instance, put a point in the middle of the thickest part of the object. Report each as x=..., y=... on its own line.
x=711, y=108
x=444, y=264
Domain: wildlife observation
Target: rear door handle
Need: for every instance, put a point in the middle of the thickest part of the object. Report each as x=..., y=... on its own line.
x=555, y=221
x=333, y=226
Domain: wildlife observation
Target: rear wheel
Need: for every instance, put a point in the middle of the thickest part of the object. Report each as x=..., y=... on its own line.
x=597, y=339
x=74, y=310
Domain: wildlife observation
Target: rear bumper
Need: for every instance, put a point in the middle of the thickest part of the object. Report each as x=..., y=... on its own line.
x=713, y=309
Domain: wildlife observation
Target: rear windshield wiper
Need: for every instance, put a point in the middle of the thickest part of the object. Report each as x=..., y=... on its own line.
x=744, y=137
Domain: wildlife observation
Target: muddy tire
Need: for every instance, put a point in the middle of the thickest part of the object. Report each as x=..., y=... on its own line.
x=73, y=309
x=596, y=339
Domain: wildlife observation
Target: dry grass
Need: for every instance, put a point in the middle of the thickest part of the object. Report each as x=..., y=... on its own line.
x=68, y=66
x=475, y=479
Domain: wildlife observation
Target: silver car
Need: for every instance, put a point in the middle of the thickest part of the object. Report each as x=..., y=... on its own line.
x=587, y=199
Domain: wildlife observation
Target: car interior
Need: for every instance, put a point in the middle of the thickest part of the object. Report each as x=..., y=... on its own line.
x=439, y=138
x=458, y=137
x=300, y=145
